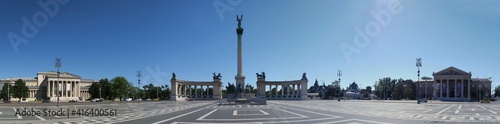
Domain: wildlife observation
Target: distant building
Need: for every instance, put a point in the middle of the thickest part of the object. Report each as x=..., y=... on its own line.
x=353, y=91
x=316, y=88
x=44, y=86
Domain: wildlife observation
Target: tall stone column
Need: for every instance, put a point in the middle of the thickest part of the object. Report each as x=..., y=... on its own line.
x=240, y=79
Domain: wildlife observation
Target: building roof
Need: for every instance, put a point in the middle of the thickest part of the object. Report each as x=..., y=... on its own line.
x=22, y=78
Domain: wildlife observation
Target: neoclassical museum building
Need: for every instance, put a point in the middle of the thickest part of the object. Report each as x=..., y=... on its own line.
x=453, y=84
x=45, y=86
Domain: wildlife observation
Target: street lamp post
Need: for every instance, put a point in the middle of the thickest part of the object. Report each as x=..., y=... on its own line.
x=8, y=90
x=339, y=73
x=58, y=65
x=138, y=86
x=418, y=64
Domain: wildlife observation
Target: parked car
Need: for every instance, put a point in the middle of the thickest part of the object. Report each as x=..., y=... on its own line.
x=23, y=100
x=46, y=101
x=148, y=99
x=423, y=100
x=96, y=100
x=485, y=100
x=71, y=101
x=6, y=101
x=139, y=99
x=128, y=99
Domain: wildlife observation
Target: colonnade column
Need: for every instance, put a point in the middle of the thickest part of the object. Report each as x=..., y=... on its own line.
x=185, y=91
x=195, y=91
x=270, y=91
x=296, y=90
x=201, y=91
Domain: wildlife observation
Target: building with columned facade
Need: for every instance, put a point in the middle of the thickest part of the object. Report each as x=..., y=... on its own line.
x=46, y=85
x=195, y=90
x=453, y=84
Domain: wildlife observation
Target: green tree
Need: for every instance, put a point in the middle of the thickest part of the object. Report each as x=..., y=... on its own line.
x=368, y=91
x=121, y=87
x=152, y=91
x=103, y=89
x=3, y=94
x=385, y=87
x=497, y=91
x=106, y=89
x=94, y=90
x=165, y=92
x=20, y=90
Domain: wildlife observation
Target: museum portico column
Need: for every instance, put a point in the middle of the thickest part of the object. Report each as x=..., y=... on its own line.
x=468, y=88
x=48, y=88
x=456, y=88
x=77, y=89
x=448, y=88
x=462, y=88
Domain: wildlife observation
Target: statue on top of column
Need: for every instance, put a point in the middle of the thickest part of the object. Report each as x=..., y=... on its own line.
x=173, y=76
x=239, y=19
x=304, y=76
x=261, y=76
x=218, y=76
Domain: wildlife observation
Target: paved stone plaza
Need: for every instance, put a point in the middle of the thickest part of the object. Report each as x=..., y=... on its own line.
x=311, y=111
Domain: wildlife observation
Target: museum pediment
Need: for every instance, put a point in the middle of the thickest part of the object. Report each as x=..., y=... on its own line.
x=451, y=71
x=61, y=75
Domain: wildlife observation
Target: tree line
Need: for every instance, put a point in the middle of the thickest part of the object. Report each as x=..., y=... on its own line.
x=119, y=87
x=387, y=88
x=18, y=90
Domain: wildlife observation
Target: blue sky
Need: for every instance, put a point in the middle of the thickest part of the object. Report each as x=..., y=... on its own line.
x=284, y=38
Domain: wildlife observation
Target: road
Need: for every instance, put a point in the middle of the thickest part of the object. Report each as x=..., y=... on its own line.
x=310, y=111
